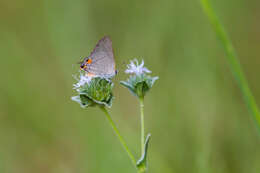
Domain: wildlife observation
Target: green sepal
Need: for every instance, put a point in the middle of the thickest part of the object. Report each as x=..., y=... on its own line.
x=139, y=85
x=142, y=162
x=129, y=86
x=83, y=101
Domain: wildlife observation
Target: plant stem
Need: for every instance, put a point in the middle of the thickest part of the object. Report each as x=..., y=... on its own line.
x=121, y=139
x=141, y=171
x=142, y=124
x=233, y=62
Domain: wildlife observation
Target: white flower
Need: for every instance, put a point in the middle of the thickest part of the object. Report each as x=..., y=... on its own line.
x=134, y=67
x=82, y=81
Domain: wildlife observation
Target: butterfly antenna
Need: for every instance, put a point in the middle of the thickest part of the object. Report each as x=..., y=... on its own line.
x=122, y=67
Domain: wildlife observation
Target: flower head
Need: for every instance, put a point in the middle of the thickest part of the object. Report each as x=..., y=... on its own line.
x=93, y=91
x=139, y=83
x=135, y=68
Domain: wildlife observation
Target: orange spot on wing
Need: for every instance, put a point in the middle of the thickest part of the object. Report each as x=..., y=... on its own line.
x=89, y=61
x=90, y=75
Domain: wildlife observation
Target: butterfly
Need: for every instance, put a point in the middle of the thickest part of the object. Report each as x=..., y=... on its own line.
x=101, y=60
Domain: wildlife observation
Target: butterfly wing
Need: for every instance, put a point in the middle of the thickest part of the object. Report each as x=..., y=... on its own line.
x=102, y=58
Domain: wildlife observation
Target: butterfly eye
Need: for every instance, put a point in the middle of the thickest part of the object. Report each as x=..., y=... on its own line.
x=82, y=66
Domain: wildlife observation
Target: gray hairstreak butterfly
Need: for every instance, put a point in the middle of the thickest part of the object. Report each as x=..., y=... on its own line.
x=101, y=60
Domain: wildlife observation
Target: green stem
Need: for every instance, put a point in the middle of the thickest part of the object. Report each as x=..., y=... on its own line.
x=142, y=124
x=121, y=139
x=233, y=61
x=141, y=171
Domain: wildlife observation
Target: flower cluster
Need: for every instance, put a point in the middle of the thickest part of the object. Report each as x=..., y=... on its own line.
x=98, y=90
x=93, y=91
x=139, y=83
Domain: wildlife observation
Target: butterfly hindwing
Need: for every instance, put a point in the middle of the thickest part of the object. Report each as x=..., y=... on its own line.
x=102, y=58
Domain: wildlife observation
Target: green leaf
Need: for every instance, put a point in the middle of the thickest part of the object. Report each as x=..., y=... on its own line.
x=233, y=60
x=142, y=162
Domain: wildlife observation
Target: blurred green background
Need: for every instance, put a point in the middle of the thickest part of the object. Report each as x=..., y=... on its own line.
x=195, y=112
